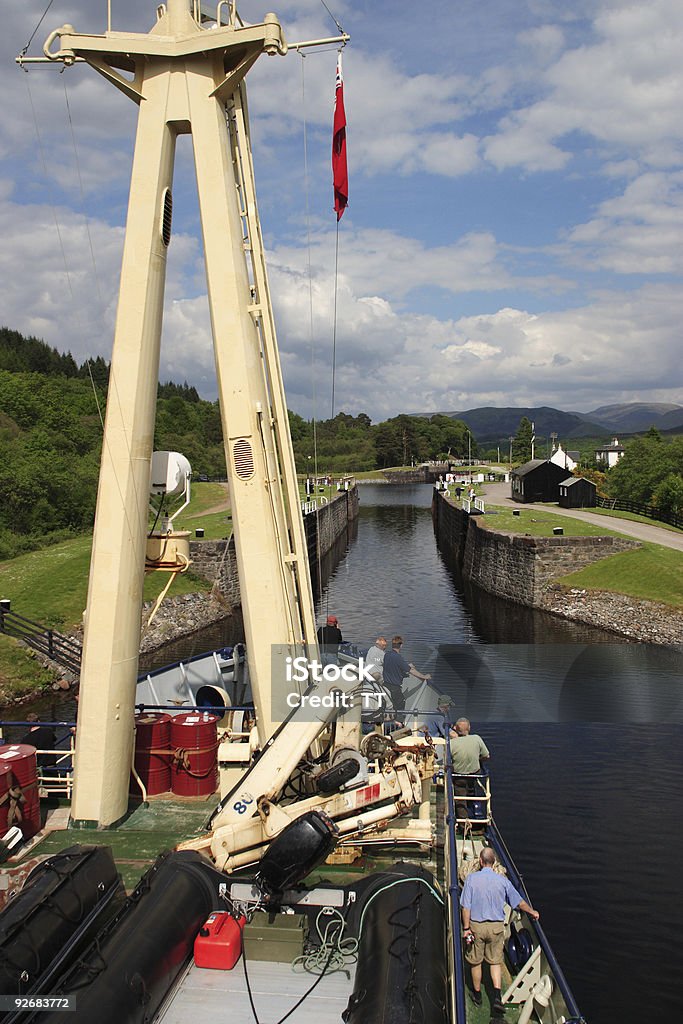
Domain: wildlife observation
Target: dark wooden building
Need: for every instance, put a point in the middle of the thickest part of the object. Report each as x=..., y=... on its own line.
x=577, y=492
x=537, y=480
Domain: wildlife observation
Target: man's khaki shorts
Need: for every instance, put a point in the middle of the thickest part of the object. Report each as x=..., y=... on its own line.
x=488, y=942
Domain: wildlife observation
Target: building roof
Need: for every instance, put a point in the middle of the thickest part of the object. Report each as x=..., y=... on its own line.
x=529, y=467
x=575, y=480
x=614, y=446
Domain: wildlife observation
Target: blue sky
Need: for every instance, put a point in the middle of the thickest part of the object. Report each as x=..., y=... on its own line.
x=515, y=218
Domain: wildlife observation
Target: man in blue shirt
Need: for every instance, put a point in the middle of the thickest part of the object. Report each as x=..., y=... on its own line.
x=395, y=669
x=483, y=900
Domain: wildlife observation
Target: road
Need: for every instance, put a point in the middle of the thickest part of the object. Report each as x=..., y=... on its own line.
x=499, y=494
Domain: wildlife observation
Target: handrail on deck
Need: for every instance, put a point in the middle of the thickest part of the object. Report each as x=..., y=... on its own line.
x=513, y=874
x=451, y=859
x=55, y=779
x=483, y=782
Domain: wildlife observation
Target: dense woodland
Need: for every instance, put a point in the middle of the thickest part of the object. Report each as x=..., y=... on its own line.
x=51, y=435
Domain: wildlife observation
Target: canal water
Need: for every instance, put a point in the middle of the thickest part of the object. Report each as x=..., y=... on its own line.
x=586, y=737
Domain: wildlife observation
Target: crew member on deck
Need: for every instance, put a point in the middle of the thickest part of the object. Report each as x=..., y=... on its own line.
x=329, y=638
x=483, y=900
x=395, y=669
x=467, y=753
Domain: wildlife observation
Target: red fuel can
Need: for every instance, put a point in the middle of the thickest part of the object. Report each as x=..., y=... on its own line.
x=219, y=942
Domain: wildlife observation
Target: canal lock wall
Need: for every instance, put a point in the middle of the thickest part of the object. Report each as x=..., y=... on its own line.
x=526, y=570
x=216, y=561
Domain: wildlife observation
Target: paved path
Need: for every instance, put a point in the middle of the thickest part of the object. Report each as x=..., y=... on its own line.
x=224, y=505
x=499, y=494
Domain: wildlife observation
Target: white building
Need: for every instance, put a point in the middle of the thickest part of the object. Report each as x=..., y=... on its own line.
x=563, y=459
x=609, y=453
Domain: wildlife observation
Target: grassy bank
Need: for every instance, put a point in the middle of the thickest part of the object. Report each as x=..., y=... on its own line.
x=539, y=524
x=50, y=587
x=650, y=572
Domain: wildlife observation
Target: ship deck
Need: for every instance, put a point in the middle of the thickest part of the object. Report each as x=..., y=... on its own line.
x=166, y=820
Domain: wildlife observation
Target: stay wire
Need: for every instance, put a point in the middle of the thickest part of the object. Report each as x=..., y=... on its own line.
x=334, y=322
x=25, y=50
x=41, y=151
x=310, y=297
x=332, y=16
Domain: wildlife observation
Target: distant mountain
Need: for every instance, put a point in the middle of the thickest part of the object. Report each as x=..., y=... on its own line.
x=634, y=416
x=497, y=424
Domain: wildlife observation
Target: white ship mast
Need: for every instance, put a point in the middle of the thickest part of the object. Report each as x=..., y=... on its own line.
x=186, y=80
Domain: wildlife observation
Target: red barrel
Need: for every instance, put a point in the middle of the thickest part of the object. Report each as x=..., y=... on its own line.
x=194, y=771
x=6, y=782
x=21, y=759
x=152, y=732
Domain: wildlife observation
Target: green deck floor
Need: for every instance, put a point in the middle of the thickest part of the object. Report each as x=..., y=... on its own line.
x=165, y=821
x=147, y=830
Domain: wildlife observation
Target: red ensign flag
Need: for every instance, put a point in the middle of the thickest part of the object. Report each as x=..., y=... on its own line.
x=340, y=174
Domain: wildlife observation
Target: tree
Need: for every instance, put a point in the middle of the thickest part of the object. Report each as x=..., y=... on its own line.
x=646, y=462
x=668, y=495
x=521, y=445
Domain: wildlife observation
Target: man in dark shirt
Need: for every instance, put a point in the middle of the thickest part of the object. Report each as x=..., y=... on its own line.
x=329, y=638
x=42, y=737
x=395, y=669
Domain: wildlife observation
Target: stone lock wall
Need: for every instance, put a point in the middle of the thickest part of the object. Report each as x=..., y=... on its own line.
x=512, y=566
x=216, y=560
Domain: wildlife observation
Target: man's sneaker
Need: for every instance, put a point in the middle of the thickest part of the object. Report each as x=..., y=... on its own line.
x=498, y=1009
x=476, y=997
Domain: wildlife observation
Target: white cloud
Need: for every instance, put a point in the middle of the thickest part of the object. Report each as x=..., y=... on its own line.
x=623, y=90
x=638, y=232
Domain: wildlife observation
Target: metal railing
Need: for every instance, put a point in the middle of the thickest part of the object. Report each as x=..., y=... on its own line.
x=59, y=648
x=56, y=777
x=480, y=794
x=455, y=951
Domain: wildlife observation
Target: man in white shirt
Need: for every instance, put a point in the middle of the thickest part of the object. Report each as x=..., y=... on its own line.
x=375, y=658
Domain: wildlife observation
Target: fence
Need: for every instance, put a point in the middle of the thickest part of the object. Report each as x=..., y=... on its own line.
x=59, y=648
x=649, y=511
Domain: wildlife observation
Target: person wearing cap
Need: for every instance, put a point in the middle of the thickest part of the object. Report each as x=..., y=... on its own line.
x=438, y=726
x=329, y=638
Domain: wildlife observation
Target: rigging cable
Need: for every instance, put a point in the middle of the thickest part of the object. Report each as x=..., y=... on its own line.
x=310, y=310
x=42, y=18
x=332, y=16
x=43, y=161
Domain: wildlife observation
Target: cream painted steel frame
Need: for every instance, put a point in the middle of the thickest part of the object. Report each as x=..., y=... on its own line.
x=183, y=76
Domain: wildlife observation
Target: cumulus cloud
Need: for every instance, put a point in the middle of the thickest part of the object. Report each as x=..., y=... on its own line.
x=623, y=90
x=433, y=311
x=638, y=232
